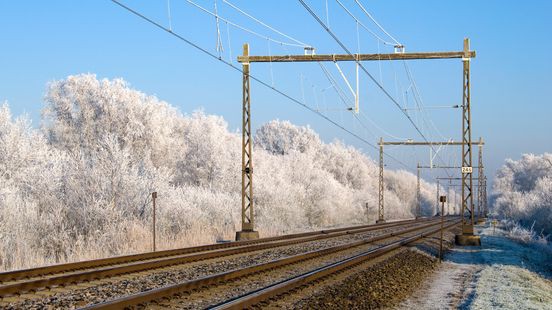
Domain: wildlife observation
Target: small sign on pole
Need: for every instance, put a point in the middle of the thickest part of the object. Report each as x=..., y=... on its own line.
x=467, y=169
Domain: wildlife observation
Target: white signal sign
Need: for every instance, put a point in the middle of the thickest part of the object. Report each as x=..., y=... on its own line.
x=467, y=170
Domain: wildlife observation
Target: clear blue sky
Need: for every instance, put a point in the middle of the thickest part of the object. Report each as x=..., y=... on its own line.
x=48, y=40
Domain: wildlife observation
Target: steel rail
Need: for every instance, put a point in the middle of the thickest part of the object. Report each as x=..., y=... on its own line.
x=168, y=291
x=138, y=266
x=281, y=287
x=68, y=267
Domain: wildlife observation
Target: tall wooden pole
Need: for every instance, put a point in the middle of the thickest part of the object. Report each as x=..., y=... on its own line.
x=418, y=194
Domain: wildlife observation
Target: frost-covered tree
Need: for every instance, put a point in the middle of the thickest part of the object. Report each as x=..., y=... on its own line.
x=31, y=174
x=282, y=137
x=80, y=187
x=522, y=191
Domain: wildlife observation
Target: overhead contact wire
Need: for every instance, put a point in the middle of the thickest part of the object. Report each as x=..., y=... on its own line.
x=149, y=20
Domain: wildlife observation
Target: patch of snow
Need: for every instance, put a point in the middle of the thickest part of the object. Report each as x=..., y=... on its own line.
x=501, y=274
x=445, y=289
x=509, y=287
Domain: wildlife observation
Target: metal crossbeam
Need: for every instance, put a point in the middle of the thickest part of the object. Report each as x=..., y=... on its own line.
x=419, y=143
x=441, y=167
x=356, y=57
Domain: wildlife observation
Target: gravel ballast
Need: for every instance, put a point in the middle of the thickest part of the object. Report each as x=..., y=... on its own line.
x=120, y=286
x=382, y=283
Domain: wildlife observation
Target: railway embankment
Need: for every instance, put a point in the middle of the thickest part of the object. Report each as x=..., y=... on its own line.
x=504, y=273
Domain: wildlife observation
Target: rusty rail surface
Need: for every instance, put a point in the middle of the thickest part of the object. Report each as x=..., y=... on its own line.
x=31, y=272
x=168, y=291
x=82, y=271
x=279, y=288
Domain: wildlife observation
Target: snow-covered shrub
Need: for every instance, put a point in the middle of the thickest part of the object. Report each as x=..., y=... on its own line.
x=522, y=192
x=525, y=235
x=80, y=187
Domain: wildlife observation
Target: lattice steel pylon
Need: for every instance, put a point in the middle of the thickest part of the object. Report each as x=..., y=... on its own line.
x=246, y=60
x=248, y=222
x=480, y=176
x=485, y=195
x=381, y=186
x=467, y=237
x=485, y=210
x=411, y=143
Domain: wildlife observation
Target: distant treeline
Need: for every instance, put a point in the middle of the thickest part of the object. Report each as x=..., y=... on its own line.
x=80, y=186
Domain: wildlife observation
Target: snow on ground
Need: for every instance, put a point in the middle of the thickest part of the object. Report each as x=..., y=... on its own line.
x=501, y=274
x=509, y=287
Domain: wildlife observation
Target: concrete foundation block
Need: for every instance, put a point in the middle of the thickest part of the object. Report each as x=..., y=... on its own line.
x=247, y=235
x=467, y=240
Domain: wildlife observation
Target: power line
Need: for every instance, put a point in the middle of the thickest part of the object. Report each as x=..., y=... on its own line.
x=238, y=26
x=334, y=36
x=417, y=96
x=362, y=25
x=375, y=22
x=344, y=98
x=340, y=93
x=265, y=25
x=419, y=101
x=330, y=32
x=149, y=20
x=424, y=113
x=416, y=92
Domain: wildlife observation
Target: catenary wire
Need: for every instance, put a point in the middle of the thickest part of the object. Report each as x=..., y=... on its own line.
x=264, y=24
x=340, y=43
x=241, y=27
x=282, y=93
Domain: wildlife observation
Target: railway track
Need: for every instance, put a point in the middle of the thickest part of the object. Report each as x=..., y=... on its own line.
x=43, y=278
x=277, y=289
x=303, y=269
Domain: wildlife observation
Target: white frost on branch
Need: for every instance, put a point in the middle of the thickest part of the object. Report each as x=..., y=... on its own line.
x=80, y=187
x=522, y=192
